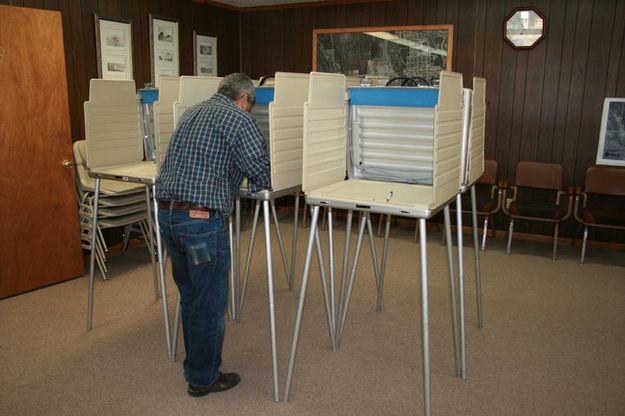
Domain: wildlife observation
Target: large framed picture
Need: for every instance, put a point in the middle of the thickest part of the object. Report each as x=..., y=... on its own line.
x=164, y=47
x=113, y=38
x=611, y=149
x=204, y=54
x=385, y=52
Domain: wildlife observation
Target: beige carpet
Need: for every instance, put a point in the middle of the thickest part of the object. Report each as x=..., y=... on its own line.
x=553, y=341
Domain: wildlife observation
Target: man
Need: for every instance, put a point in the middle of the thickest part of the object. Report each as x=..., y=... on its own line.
x=216, y=144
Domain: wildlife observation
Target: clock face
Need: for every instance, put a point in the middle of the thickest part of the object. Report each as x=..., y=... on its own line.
x=524, y=28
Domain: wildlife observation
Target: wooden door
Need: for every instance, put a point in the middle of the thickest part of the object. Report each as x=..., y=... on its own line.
x=39, y=233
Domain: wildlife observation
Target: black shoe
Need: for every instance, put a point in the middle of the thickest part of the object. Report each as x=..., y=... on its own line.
x=223, y=382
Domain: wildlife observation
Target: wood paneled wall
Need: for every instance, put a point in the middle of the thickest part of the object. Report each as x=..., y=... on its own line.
x=544, y=104
x=80, y=49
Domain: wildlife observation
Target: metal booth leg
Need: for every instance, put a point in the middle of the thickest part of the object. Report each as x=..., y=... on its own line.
x=452, y=290
x=294, y=241
x=463, y=357
x=346, y=298
x=343, y=289
x=272, y=312
x=237, y=258
x=478, y=272
x=150, y=242
x=374, y=257
x=300, y=305
x=425, y=319
x=287, y=271
x=94, y=230
x=331, y=261
x=161, y=272
x=176, y=331
x=387, y=233
x=232, y=305
x=324, y=289
x=248, y=259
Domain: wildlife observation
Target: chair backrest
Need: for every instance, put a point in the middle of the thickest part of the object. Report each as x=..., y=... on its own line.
x=112, y=123
x=489, y=177
x=168, y=93
x=540, y=175
x=286, y=124
x=194, y=90
x=605, y=180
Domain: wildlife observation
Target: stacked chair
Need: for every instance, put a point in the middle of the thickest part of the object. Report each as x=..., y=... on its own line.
x=121, y=204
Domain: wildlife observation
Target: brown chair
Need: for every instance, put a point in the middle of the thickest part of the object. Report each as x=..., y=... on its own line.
x=536, y=185
x=604, y=185
x=488, y=198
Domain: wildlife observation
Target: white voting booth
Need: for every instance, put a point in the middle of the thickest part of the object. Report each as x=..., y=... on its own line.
x=400, y=177
x=164, y=124
x=279, y=113
x=114, y=150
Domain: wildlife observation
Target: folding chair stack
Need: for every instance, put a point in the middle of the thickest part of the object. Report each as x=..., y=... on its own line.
x=121, y=204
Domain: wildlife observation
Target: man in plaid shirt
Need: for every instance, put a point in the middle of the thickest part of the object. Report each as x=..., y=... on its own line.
x=216, y=144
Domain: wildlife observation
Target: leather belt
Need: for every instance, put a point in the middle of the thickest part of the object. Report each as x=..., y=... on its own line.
x=186, y=206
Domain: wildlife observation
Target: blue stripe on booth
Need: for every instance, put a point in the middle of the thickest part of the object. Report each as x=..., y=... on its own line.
x=394, y=96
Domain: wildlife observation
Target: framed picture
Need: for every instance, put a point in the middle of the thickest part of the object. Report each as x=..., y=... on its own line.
x=385, y=52
x=611, y=149
x=204, y=54
x=163, y=47
x=113, y=37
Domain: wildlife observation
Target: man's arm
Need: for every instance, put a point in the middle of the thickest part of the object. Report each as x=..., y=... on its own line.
x=251, y=157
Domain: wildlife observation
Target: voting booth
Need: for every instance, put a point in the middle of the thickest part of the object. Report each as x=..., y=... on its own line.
x=402, y=151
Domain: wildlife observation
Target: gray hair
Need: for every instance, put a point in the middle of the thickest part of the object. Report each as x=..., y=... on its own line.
x=236, y=85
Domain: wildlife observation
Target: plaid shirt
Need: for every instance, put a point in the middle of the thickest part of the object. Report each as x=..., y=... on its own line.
x=215, y=145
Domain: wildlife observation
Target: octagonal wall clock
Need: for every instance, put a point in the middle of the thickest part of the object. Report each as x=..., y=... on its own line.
x=524, y=27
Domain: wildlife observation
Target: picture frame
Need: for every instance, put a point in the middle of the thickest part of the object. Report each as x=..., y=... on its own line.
x=611, y=148
x=385, y=52
x=113, y=36
x=204, y=54
x=164, y=48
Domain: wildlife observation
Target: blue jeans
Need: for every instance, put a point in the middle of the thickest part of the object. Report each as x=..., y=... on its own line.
x=200, y=258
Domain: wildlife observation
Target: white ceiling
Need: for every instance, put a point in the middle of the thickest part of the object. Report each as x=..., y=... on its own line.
x=256, y=3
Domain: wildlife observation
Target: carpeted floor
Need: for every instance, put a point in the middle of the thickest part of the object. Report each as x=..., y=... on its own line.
x=553, y=341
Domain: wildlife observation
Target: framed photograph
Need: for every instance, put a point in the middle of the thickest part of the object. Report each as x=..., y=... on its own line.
x=163, y=47
x=204, y=54
x=386, y=52
x=611, y=149
x=113, y=38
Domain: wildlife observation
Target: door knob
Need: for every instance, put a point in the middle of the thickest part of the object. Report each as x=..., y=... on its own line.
x=67, y=164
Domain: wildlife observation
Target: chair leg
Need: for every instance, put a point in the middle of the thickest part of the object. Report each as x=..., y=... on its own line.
x=416, y=232
x=581, y=261
x=510, y=228
x=555, y=242
x=579, y=226
x=484, y=232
